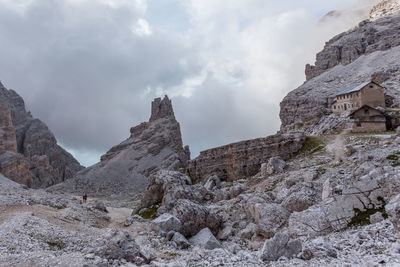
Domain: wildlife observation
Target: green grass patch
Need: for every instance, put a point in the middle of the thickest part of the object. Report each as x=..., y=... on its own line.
x=311, y=145
x=321, y=170
x=150, y=212
x=392, y=157
x=362, y=217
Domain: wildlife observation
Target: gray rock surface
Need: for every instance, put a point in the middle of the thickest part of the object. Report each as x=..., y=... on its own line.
x=301, y=196
x=205, y=239
x=180, y=241
x=195, y=217
x=124, y=169
x=280, y=245
x=270, y=215
x=393, y=210
x=167, y=222
x=275, y=165
x=29, y=151
x=385, y=8
x=119, y=245
x=166, y=187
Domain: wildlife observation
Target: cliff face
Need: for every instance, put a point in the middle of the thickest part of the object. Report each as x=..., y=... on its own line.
x=29, y=153
x=370, y=51
x=243, y=159
x=152, y=146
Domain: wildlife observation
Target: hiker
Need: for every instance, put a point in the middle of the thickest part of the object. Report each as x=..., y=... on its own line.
x=84, y=198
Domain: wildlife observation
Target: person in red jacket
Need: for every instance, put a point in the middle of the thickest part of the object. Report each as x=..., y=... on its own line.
x=84, y=198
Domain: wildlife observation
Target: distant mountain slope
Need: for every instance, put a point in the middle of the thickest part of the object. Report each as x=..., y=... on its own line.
x=370, y=51
x=152, y=145
x=29, y=153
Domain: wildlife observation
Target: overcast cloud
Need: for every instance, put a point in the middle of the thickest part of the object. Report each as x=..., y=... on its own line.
x=90, y=68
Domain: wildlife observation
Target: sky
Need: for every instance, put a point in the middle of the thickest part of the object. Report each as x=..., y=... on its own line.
x=90, y=68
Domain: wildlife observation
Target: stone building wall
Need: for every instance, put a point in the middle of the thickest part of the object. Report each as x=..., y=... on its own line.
x=369, y=127
x=373, y=95
x=244, y=159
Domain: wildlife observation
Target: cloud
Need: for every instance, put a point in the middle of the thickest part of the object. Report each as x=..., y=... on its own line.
x=90, y=68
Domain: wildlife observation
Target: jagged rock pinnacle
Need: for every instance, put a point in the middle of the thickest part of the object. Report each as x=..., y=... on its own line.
x=161, y=109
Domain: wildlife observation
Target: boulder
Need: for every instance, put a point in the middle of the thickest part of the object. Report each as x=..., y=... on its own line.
x=393, y=210
x=167, y=186
x=266, y=213
x=205, y=239
x=117, y=245
x=376, y=217
x=195, y=217
x=100, y=206
x=180, y=241
x=161, y=182
x=301, y=196
x=280, y=245
x=275, y=165
x=167, y=222
x=212, y=182
x=225, y=233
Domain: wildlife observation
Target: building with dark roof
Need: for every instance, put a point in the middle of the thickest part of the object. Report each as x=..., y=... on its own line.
x=369, y=119
x=354, y=97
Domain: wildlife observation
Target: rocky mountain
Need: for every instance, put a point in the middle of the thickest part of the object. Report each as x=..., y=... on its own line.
x=286, y=200
x=29, y=153
x=367, y=52
x=153, y=145
x=385, y=8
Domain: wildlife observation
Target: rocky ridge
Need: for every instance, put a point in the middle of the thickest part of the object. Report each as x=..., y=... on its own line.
x=29, y=153
x=385, y=8
x=124, y=169
x=368, y=52
x=243, y=159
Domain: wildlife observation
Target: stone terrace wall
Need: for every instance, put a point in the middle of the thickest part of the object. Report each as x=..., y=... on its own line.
x=244, y=159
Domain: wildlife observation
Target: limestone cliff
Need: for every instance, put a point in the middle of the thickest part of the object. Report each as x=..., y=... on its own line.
x=369, y=51
x=244, y=159
x=152, y=145
x=29, y=153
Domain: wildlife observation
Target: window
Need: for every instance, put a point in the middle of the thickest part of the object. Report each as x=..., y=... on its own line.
x=334, y=107
x=366, y=111
x=358, y=124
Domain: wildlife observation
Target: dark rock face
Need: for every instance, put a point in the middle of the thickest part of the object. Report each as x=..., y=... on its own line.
x=368, y=37
x=244, y=159
x=29, y=151
x=125, y=168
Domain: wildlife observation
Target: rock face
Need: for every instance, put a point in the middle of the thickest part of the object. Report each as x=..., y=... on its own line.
x=367, y=52
x=29, y=153
x=120, y=245
x=244, y=159
x=354, y=206
x=152, y=146
x=280, y=245
x=205, y=239
x=195, y=217
x=385, y=8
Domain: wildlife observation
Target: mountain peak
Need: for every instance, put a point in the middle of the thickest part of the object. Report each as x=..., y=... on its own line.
x=161, y=109
x=385, y=8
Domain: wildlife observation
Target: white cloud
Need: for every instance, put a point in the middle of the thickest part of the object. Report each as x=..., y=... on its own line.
x=142, y=28
x=90, y=68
